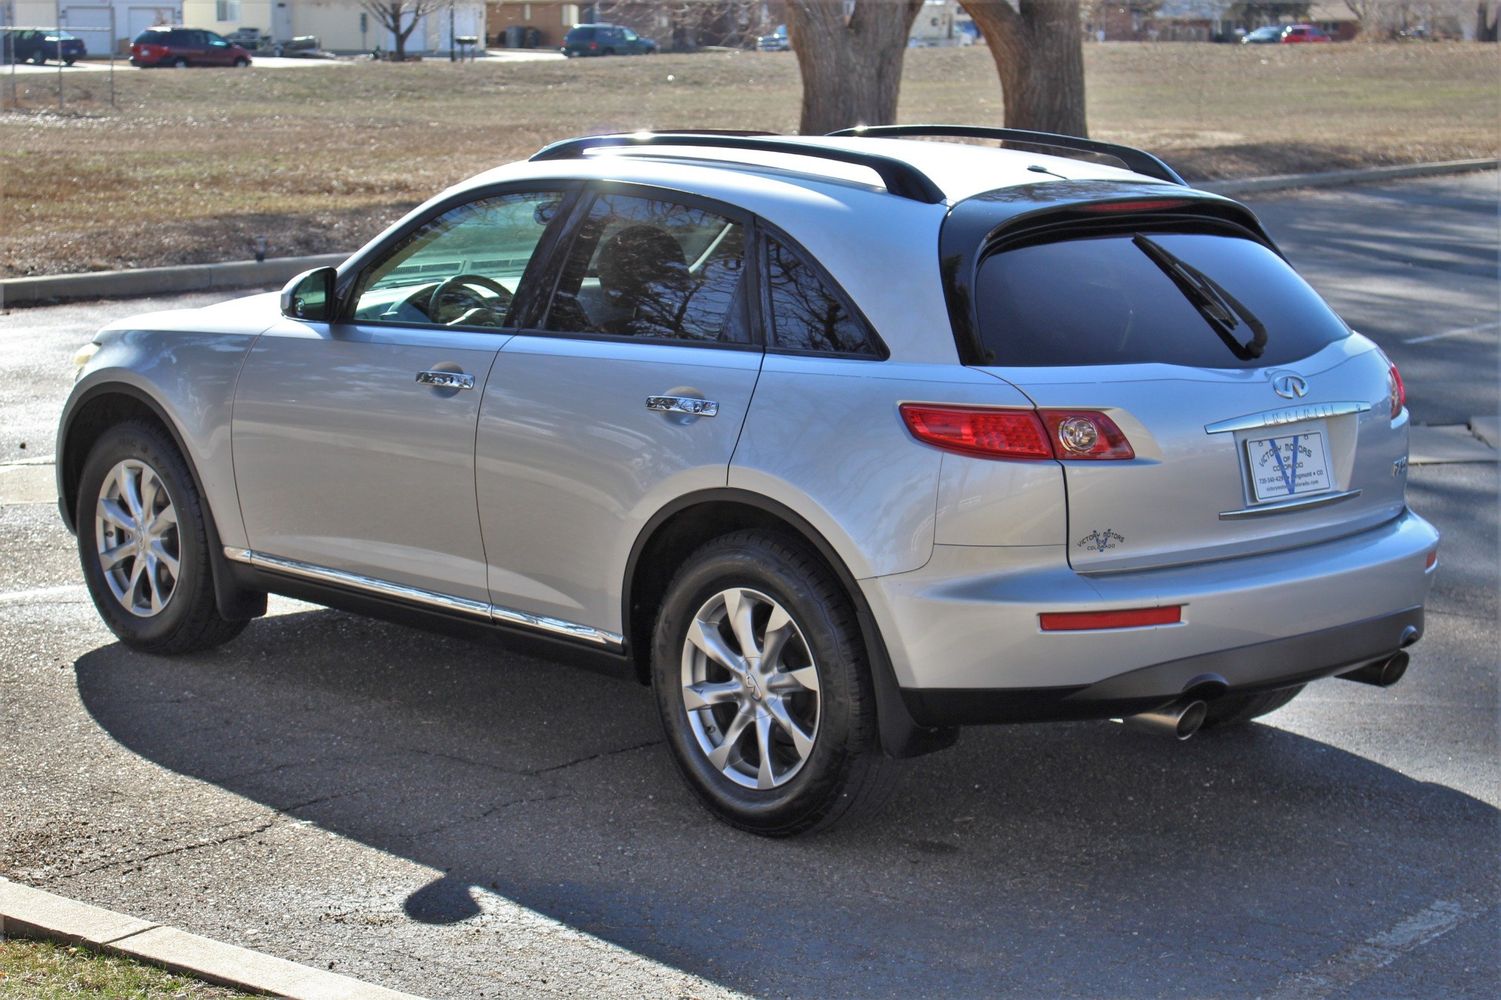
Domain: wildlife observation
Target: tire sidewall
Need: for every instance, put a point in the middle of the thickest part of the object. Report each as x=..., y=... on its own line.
x=135, y=441
x=767, y=570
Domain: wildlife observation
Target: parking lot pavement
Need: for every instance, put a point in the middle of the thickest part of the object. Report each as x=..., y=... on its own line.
x=463, y=817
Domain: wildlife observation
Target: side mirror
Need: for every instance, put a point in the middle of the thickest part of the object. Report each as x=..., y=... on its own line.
x=310, y=295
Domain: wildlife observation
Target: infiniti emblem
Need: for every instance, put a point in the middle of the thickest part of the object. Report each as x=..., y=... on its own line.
x=1290, y=386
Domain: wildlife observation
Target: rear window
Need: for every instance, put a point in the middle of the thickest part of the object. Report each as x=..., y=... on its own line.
x=1197, y=299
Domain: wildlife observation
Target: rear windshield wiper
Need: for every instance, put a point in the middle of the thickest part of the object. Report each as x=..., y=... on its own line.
x=1221, y=310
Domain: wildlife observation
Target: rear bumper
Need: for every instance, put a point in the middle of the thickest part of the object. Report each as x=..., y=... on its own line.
x=965, y=641
x=1259, y=667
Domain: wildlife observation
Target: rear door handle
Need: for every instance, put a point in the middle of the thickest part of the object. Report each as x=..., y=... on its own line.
x=688, y=405
x=446, y=380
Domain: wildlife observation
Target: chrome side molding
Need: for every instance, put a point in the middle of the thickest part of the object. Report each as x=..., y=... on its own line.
x=492, y=613
x=1282, y=506
x=1289, y=415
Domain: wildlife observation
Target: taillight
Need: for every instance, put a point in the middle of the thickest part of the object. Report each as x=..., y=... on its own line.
x=1086, y=434
x=1067, y=435
x=980, y=432
x=1396, y=388
x=593, y=46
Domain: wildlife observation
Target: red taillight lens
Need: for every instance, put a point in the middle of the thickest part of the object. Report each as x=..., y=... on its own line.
x=1398, y=390
x=593, y=45
x=1078, y=621
x=981, y=432
x=1086, y=434
x=1026, y=434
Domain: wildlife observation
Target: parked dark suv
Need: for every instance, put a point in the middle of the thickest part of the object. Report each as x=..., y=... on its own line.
x=185, y=47
x=37, y=45
x=606, y=40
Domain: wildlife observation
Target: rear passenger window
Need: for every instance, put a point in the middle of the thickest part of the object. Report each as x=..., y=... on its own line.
x=654, y=269
x=806, y=315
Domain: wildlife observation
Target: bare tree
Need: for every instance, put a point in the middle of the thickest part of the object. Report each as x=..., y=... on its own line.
x=393, y=15
x=1038, y=47
x=851, y=62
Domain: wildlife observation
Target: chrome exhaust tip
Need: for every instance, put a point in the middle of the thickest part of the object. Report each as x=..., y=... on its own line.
x=1382, y=673
x=1180, y=720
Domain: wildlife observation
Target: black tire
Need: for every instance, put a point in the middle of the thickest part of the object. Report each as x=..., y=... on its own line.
x=845, y=772
x=1239, y=709
x=179, y=63
x=189, y=619
x=70, y=60
x=39, y=58
x=241, y=63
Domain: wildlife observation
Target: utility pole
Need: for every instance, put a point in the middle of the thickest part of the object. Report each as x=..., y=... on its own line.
x=453, y=46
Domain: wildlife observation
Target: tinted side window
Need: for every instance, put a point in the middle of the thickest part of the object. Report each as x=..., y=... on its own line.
x=806, y=315
x=1105, y=301
x=642, y=267
x=461, y=269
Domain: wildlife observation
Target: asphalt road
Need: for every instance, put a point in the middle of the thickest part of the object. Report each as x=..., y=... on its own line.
x=454, y=817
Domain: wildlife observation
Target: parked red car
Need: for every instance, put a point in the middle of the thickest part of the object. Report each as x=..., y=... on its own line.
x=1304, y=33
x=185, y=47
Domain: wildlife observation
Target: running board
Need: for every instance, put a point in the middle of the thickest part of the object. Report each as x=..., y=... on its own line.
x=480, y=610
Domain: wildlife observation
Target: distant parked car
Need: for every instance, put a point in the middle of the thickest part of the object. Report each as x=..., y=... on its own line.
x=606, y=40
x=777, y=41
x=185, y=47
x=37, y=45
x=1269, y=35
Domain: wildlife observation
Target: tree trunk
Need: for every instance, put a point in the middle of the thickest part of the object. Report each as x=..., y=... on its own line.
x=852, y=70
x=1038, y=47
x=1487, y=22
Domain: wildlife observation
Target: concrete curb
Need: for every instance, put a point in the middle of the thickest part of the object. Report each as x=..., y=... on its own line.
x=28, y=912
x=158, y=280
x=1338, y=178
x=277, y=270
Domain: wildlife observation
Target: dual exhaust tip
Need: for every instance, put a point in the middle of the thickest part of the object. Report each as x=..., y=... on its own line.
x=1182, y=718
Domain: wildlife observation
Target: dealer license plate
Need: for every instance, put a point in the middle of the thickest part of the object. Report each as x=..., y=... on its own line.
x=1289, y=466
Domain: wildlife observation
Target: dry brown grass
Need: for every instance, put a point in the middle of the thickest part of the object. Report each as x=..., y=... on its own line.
x=193, y=165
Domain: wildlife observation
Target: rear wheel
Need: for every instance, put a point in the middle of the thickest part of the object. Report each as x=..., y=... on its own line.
x=241, y=63
x=70, y=60
x=143, y=544
x=763, y=688
x=179, y=63
x=1238, y=709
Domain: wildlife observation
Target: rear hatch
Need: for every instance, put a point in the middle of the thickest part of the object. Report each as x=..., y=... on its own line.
x=1258, y=421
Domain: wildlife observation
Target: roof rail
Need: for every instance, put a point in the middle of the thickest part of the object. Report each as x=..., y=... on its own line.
x=1135, y=159
x=901, y=179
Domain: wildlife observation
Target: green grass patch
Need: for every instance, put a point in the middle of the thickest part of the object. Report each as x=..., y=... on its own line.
x=43, y=970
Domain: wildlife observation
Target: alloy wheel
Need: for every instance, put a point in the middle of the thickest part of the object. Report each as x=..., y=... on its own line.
x=750, y=688
x=135, y=529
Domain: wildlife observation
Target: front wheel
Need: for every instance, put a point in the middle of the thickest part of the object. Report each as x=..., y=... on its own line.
x=763, y=687
x=144, y=544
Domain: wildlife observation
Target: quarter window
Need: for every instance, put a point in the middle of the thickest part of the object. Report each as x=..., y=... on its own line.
x=461, y=269
x=655, y=269
x=806, y=314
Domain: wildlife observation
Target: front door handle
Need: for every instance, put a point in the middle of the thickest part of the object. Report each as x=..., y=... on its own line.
x=690, y=406
x=446, y=380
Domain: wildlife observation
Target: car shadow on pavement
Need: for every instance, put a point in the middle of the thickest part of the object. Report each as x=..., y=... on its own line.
x=1078, y=859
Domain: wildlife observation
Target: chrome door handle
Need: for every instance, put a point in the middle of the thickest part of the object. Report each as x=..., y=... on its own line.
x=689, y=405
x=446, y=380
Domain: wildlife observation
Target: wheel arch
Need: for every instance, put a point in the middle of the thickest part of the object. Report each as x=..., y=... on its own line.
x=690, y=521
x=107, y=404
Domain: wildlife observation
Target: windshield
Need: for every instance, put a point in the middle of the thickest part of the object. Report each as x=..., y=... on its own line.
x=1200, y=299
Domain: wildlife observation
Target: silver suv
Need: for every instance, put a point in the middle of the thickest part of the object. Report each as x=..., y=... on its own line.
x=840, y=442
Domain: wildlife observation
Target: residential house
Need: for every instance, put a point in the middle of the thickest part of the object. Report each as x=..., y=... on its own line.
x=102, y=24
x=339, y=25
